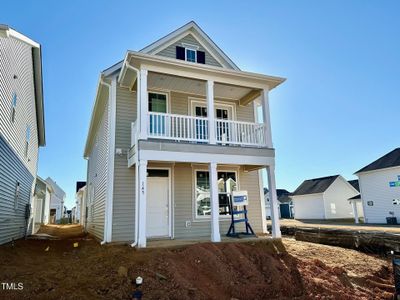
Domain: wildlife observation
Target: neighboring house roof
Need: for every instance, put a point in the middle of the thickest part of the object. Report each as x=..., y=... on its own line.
x=392, y=159
x=57, y=189
x=355, y=184
x=355, y=197
x=194, y=29
x=79, y=185
x=283, y=195
x=8, y=32
x=315, y=186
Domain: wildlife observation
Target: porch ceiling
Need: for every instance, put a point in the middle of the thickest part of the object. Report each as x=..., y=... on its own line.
x=196, y=87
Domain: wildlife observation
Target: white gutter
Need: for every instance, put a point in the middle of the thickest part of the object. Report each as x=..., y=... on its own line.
x=136, y=162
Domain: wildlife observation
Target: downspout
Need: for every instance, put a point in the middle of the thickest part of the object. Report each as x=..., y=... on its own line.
x=136, y=162
x=102, y=82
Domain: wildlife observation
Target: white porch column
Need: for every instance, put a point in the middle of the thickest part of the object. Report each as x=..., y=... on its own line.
x=142, y=203
x=276, y=230
x=215, y=235
x=266, y=117
x=211, y=111
x=144, y=104
x=355, y=212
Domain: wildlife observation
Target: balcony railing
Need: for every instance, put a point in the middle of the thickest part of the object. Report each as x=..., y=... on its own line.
x=195, y=129
x=177, y=127
x=240, y=133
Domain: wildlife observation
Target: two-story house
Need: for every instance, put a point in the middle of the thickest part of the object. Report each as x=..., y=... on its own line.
x=171, y=124
x=21, y=130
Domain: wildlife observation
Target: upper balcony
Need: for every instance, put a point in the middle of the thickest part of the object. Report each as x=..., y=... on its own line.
x=190, y=103
x=182, y=128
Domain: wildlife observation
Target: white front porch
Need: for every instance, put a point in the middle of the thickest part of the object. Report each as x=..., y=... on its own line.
x=185, y=215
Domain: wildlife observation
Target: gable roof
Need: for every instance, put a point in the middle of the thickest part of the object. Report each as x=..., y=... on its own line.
x=392, y=159
x=194, y=29
x=315, y=186
x=355, y=184
x=8, y=32
x=57, y=189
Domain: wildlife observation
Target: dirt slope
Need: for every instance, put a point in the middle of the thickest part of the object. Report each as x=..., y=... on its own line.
x=254, y=270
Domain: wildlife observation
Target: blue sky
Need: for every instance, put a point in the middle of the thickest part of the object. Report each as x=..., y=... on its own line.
x=337, y=111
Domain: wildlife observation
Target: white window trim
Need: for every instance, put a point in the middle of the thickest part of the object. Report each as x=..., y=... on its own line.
x=217, y=104
x=195, y=217
x=193, y=48
x=161, y=92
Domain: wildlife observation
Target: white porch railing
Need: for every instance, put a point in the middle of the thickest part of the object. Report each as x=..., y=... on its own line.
x=177, y=127
x=195, y=129
x=240, y=133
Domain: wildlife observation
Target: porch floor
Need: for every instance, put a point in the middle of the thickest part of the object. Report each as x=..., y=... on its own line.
x=168, y=243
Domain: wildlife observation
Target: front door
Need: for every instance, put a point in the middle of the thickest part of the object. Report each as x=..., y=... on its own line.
x=157, y=221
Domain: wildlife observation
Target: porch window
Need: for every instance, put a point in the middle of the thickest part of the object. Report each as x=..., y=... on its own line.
x=226, y=182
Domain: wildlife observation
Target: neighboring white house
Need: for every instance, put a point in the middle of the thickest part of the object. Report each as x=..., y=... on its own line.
x=81, y=205
x=324, y=198
x=171, y=122
x=41, y=203
x=57, y=199
x=22, y=130
x=356, y=203
x=380, y=188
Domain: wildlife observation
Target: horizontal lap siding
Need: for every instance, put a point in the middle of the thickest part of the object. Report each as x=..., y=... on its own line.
x=16, y=59
x=12, y=221
x=375, y=187
x=170, y=51
x=123, y=228
x=184, y=204
x=97, y=178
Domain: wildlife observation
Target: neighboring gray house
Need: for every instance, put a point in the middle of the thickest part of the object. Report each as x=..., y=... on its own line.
x=22, y=129
x=380, y=189
x=171, y=125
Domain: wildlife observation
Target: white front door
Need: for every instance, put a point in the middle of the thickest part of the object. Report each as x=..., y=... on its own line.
x=157, y=207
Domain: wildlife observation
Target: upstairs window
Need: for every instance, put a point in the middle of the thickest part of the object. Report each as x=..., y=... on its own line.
x=28, y=139
x=190, y=53
x=14, y=107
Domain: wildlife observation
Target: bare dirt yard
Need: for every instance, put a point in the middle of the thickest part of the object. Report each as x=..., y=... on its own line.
x=236, y=270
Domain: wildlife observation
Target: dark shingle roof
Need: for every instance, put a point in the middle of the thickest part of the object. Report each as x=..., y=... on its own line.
x=355, y=197
x=354, y=183
x=283, y=195
x=392, y=159
x=314, y=186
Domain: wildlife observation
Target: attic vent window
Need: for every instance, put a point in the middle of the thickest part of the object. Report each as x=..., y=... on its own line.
x=190, y=53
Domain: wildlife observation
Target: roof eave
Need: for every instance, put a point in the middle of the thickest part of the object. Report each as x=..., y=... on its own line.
x=268, y=80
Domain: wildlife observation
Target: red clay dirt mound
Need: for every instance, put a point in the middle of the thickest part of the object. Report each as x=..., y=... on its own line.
x=245, y=270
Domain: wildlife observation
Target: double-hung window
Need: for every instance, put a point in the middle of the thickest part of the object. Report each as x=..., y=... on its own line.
x=227, y=181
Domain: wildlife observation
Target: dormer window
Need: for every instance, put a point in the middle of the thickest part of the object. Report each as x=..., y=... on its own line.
x=190, y=53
